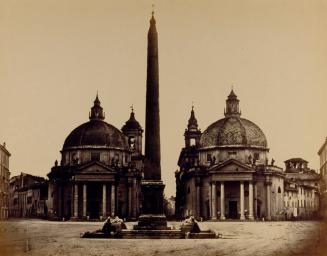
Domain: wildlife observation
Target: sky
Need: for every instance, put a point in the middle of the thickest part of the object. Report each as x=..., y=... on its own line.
x=56, y=54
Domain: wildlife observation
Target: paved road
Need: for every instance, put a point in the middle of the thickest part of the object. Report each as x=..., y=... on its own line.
x=38, y=237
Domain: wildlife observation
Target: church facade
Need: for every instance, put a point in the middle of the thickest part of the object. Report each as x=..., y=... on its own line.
x=100, y=171
x=224, y=172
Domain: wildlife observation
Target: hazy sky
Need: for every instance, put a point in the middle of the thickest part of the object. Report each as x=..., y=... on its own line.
x=55, y=55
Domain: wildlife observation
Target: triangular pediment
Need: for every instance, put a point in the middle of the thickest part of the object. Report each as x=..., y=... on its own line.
x=231, y=165
x=94, y=167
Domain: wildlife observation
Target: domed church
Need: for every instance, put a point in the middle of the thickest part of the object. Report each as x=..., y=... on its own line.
x=100, y=170
x=224, y=171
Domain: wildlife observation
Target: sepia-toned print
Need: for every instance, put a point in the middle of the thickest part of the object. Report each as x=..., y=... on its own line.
x=166, y=128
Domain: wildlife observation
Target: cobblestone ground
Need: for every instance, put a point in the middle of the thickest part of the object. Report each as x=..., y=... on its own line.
x=38, y=237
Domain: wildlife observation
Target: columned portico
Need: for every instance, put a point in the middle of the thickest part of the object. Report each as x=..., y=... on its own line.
x=222, y=200
x=97, y=195
x=242, y=217
x=213, y=200
x=235, y=200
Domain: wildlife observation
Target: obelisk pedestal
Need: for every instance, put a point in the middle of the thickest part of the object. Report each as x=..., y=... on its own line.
x=152, y=217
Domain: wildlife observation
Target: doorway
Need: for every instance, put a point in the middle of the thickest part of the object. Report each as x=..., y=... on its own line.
x=259, y=209
x=233, y=210
x=93, y=200
x=208, y=209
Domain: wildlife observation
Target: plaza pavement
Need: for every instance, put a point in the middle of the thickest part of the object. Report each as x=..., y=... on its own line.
x=41, y=237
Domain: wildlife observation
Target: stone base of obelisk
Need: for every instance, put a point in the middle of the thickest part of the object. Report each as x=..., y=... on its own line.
x=152, y=222
x=152, y=217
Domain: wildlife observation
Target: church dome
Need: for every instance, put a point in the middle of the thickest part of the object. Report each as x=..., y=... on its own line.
x=96, y=132
x=233, y=130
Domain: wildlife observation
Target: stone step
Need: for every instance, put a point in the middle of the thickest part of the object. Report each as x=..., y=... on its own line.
x=152, y=234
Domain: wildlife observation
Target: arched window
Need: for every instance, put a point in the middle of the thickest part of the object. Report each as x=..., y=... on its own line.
x=279, y=190
x=131, y=142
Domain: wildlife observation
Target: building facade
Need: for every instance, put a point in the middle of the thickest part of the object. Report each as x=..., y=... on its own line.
x=302, y=195
x=323, y=172
x=224, y=172
x=100, y=171
x=4, y=181
x=28, y=196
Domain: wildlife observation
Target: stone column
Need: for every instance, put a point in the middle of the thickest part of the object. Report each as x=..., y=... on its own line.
x=210, y=199
x=251, y=200
x=255, y=201
x=84, y=200
x=113, y=200
x=60, y=210
x=104, y=200
x=222, y=200
x=72, y=201
x=76, y=200
x=242, y=217
x=197, y=200
x=129, y=187
x=134, y=199
x=268, y=184
x=198, y=196
x=54, y=202
x=213, y=194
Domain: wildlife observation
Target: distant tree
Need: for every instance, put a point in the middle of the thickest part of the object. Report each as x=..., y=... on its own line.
x=169, y=207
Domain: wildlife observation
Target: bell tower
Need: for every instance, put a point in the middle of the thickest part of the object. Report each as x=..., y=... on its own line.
x=133, y=131
x=192, y=134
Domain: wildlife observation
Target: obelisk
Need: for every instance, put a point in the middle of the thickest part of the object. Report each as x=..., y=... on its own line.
x=152, y=214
